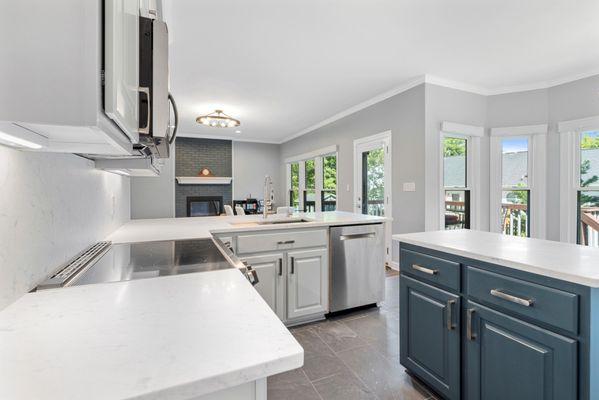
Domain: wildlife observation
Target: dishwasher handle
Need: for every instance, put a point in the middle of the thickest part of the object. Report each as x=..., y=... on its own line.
x=358, y=236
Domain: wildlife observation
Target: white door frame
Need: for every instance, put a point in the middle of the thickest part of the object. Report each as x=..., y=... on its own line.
x=382, y=139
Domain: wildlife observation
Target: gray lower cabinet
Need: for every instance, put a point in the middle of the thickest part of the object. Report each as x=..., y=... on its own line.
x=430, y=335
x=271, y=280
x=307, y=283
x=295, y=284
x=509, y=359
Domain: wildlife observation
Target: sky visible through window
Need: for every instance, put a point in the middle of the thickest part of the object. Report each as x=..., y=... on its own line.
x=515, y=145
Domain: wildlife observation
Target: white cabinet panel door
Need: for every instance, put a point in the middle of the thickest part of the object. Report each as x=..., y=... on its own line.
x=271, y=283
x=308, y=283
x=121, y=92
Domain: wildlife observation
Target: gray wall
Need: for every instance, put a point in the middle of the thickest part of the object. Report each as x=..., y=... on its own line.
x=195, y=154
x=251, y=162
x=403, y=115
x=155, y=197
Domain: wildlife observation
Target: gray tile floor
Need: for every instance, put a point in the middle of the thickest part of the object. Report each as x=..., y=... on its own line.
x=354, y=356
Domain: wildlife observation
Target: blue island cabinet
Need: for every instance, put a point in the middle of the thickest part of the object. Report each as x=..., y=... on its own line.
x=478, y=331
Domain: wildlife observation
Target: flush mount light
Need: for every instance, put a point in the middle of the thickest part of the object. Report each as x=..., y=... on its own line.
x=218, y=119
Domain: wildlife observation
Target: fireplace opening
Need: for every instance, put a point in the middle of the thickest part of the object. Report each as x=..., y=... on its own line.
x=204, y=206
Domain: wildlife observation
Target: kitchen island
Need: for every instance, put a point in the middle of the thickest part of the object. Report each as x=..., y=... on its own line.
x=485, y=315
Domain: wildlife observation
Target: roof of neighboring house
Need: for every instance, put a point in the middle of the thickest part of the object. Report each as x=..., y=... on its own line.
x=514, y=168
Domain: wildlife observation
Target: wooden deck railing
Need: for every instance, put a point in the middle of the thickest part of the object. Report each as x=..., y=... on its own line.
x=589, y=226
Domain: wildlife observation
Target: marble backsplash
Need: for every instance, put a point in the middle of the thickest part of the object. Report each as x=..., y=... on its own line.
x=51, y=207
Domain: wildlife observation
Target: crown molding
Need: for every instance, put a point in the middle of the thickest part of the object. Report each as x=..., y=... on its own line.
x=374, y=100
x=232, y=138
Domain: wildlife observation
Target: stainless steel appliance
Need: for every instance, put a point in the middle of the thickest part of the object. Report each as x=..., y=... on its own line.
x=106, y=262
x=358, y=266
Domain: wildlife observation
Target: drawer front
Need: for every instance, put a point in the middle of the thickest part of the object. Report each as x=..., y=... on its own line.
x=258, y=242
x=551, y=306
x=431, y=269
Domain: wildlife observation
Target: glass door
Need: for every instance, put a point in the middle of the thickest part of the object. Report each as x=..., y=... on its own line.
x=372, y=179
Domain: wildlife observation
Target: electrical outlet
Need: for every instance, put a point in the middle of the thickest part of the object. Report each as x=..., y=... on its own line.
x=409, y=187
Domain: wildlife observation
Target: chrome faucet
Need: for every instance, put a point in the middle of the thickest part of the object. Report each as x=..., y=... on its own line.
x=269, y=195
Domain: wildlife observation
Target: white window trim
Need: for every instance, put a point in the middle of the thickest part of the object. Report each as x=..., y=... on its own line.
x=317, y=156
x=537, y=154
x=570, y=173
x=472, y=134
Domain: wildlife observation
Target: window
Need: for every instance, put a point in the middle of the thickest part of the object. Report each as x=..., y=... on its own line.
x=455, y=183
x=373, y=182
x=312, y=180
x=294, y=186
x=329, y=183
x=587, y=208
x=515, y=194
x=309, y=186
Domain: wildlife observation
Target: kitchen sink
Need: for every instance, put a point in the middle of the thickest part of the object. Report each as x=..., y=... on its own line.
x=283, y=221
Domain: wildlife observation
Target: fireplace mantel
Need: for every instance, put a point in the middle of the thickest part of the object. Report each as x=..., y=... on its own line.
x=204, y=180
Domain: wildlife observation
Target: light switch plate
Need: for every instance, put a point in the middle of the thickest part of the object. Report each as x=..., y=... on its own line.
x=409, y=187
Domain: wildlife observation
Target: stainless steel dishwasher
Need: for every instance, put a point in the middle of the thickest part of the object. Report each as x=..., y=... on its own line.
x=358, y=266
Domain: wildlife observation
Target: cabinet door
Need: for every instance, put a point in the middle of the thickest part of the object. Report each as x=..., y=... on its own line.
x=510, y=359
x=430, y=335
x=271, y=276
x=307, y=283
x=121, y=52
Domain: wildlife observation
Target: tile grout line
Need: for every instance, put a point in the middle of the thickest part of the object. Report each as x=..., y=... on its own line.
x=311, y=384
x=347, y=366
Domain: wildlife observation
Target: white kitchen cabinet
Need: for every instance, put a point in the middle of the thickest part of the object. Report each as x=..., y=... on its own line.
x=308, y=283
x=294, y=282
x=271, y=280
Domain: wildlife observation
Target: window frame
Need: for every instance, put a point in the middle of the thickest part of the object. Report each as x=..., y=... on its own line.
x=472, y=137
x=536, y=180
x=317, y=156
x=569, y=132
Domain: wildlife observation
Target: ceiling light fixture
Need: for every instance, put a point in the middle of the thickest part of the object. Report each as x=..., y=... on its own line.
x=218, y=119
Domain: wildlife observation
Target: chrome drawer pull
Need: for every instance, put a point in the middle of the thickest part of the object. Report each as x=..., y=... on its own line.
x=286, y=242
x=469, y=333
x=425, y=270
x=450, y=304
x=513, y=299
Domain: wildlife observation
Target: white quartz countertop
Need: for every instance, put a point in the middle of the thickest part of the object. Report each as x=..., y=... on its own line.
x=173, y=337
x=564, y=261
x=144, y=230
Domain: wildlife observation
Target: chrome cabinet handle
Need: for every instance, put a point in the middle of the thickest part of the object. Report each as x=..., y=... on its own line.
x=280, y=266
x=514, y=299
x=286, y=242
x=357, y=236
x=146, y=91
x=293, y=265
x=469, y=333
x=425, y=270
x=176, y=114
x=450, y=304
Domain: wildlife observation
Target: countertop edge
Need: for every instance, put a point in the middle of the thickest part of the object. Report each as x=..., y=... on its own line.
x=534, y=269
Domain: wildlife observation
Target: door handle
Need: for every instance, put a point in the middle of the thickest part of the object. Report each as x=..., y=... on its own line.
x=427, y=271
x=292, y=265
x=280, y=266
x=286, y=242
x=450, y=304
x=357, y=236
x=146, y=91
x=470, y=335
x=514, y=299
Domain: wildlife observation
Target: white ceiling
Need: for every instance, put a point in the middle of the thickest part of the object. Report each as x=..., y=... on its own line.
x=282, y=67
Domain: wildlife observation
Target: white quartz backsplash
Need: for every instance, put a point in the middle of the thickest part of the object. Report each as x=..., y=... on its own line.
x=51, y=207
